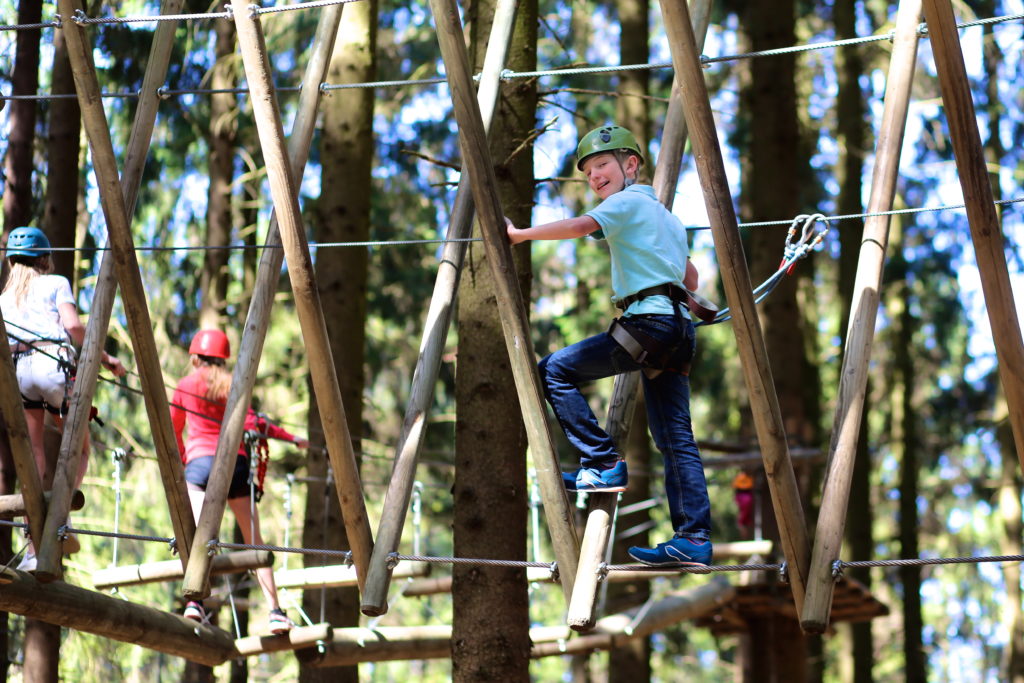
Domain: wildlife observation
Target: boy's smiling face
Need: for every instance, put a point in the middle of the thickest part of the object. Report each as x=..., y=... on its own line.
x=606, y=175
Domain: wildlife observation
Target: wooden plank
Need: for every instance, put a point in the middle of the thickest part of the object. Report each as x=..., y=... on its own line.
x=14, y=505
x=853, y=380
x=126, y=268
x=296, y=639
x=986, y=230
x=171, y=570
x=511, y=308
x=332, y=576
x=91, y=612
x=736, y=281
x=601, y=515
x=435, y=334
x=285, y=170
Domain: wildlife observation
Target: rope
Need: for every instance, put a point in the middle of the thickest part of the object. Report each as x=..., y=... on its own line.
x=924, y=561
x=467, y=560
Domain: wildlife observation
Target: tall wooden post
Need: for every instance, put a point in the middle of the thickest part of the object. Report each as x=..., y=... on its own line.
x=284, y=191
x=736, y=280
x=126, y=267
x=860, y=334
x=262, y=300
x=435, y=333
x=597, y=534
x=511, y=308
x=76, y=423
x=986, y=232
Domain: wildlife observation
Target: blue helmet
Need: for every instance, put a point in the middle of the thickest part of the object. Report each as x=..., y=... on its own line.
x=30, y=242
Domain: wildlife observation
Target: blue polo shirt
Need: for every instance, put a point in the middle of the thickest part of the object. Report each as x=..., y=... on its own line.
x=647, y=244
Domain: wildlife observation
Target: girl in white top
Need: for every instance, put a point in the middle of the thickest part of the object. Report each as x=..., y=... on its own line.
x=42, y=323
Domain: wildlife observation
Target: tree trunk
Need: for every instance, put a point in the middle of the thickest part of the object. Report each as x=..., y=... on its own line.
x=22, y=121
x=851, y=134
x=344, y=215
x=490, y=627
x=60, y=215
x=213, y=278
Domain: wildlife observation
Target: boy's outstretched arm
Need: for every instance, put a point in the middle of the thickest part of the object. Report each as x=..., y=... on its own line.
x=568, y=228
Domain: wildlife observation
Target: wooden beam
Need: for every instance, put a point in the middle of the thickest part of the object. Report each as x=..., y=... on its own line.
x=76, y=423
x=860, y=334
x=736, y=281
x=583, y=607
x=986, y=230
x=435, y=335
x=14, y=505
x=133, y=295
x=284, y=167
x=170, y=570
x=296, y=639
x=91, y=612
x=12, y=415
x=350, y=646
x=332, y=576
x=511, y=308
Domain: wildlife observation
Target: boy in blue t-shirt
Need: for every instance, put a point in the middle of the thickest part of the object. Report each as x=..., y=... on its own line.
x=650, y=268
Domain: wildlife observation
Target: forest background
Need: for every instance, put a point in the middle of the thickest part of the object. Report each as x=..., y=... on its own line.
x=936, y=474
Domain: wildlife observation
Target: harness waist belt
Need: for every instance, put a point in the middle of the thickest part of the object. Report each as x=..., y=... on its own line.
x=678, y=295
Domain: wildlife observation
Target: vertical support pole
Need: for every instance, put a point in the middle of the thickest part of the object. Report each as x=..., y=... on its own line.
x=126, y=268
x=736, y=280
x=435, y=333
x=284, y=191
x=584, y=605
x=861, y=329
x=511, y=308
x=986, y=232
x=76, y=424
x=258, y=318
x=12, y=415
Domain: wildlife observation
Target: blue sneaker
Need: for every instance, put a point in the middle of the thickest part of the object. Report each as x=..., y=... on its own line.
x=679, y=552
x=594, y=480
x=569, y=479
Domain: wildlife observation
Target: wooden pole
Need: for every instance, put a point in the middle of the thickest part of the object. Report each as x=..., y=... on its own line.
x=736, y=281
x=14, y=505
x=170, y=570
x=285, y=169
x=511, y=308
x=126, y=267
x=435, y=334
x=12, y=415
x=986, y=231
x=350, y=646
x=860, y=334
x=76, y=423
x=584, y=604
x=332, y=576
x=296, y=639
x=91, y=612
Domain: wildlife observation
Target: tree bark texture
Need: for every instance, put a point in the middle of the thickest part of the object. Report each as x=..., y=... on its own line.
x=213, y=278
x=490, y=628
x=344, y=215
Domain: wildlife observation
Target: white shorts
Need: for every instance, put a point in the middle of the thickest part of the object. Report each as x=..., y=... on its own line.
x=40, y=377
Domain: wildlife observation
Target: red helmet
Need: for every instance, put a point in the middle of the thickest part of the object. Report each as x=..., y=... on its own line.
x=212, y=343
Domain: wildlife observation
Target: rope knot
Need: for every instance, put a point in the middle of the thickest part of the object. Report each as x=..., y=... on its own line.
x=837, y=570
x=392, y=561
x=211, y=547
x=79, y=17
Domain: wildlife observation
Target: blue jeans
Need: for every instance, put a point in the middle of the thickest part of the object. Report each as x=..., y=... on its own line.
x=668, y=414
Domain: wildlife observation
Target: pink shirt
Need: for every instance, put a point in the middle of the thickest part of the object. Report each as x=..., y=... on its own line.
x=190, y=407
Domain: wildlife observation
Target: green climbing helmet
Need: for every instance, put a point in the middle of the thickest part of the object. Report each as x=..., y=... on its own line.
x=27, y=241
x=606, y=139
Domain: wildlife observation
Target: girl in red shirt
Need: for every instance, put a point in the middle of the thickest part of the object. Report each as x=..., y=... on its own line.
x=198, y=404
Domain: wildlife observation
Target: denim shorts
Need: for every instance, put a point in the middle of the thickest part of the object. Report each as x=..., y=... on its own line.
x=197, y=471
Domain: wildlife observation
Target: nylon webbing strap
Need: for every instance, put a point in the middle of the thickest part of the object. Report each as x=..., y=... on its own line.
x=627, y=341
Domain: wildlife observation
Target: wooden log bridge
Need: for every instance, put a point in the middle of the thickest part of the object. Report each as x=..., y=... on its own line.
x=296, y=639
x=170, y=570
x=91, y=612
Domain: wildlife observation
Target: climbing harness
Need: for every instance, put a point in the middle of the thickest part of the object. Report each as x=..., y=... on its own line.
x=259, y=455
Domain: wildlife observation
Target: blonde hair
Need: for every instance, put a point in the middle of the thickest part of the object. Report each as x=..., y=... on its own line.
x=218, y=379
x=23, y=271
